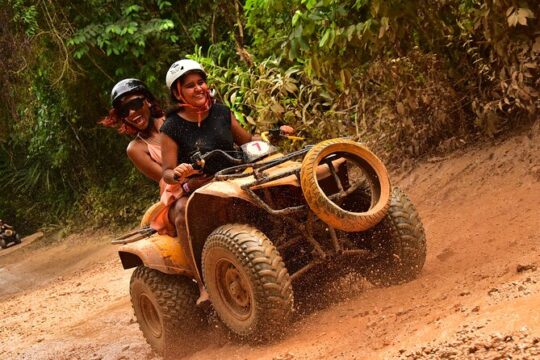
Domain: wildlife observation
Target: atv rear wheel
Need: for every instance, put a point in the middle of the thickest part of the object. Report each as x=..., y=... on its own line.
x=400, y=242
x=165, y=308
x=17, y=239
x=3, y=243
x=247, y=281
x=333, y=213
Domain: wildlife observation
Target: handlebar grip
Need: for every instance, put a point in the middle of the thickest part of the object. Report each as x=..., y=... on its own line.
x=196, y=166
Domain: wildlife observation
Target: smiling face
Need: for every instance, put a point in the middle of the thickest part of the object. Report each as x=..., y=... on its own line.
x=194, y=89
x=134, y=109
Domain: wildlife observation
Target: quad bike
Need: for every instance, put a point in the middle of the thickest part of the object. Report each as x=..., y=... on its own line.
x=8, y=236
x=264, y=222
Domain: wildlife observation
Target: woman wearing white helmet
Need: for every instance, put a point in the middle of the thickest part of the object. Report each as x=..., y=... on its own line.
x=196, y=123
x=135, y=112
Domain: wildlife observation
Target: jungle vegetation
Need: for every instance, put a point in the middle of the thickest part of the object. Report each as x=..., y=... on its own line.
x=410, y=78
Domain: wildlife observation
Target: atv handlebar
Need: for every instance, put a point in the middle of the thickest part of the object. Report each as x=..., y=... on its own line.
x=199, y=160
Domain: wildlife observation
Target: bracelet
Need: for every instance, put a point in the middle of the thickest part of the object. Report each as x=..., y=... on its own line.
x=185, y=186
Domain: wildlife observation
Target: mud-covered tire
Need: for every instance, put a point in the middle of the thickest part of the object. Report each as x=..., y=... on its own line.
x=165, y=308
x=17, y=239
x=247, y=281
x=328, y=211
x=400, y=242
x=3, y=243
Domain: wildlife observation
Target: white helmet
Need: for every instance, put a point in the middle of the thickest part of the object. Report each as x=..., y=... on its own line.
x=180, y=68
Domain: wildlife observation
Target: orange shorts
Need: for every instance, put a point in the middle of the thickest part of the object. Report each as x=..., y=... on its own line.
x=161, y=222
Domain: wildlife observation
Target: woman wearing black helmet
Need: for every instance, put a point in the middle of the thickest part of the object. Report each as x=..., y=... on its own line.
x=135, y=112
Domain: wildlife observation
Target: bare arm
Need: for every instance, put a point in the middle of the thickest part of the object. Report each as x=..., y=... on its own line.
x=169, y=157
x=139, y=156
x=240, y=135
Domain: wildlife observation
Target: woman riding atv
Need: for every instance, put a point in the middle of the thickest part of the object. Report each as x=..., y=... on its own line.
x=136, y=112
x=196, y=123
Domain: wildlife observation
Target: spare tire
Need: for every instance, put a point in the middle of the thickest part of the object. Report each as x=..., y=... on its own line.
x=320, y=202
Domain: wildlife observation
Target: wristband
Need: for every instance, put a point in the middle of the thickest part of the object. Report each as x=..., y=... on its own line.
x=185, y=186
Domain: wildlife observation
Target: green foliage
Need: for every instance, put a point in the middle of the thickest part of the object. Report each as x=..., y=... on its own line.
x=502, y=45
x=25, y=15
x=488, y=48
x=265, y=95
x=408, y=108
x=64, y=59
x=113, y=203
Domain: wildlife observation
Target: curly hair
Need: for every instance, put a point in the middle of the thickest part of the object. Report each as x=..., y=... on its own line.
x=113, y=120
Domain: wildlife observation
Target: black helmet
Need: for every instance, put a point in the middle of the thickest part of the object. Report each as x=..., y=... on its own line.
x=128, y=86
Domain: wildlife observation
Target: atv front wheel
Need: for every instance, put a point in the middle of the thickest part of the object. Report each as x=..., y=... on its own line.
x=399, y=242
x=17, y=239
x=372, y=171
x=247, y=281
x=165, y=308
x=3, y=243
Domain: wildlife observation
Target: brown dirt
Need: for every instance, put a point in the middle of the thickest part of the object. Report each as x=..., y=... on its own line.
x=477, y=297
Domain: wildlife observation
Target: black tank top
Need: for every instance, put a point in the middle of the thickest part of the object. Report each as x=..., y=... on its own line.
x=214, y=133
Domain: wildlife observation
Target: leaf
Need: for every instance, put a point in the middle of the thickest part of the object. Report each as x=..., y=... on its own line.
x=166, y=24
x=290, y=87
x=163, y=4
x=350, y=32
x=277, y=108
x=324, y=39
x=536, y=45
x=240, y=117
x=518, y=16
x=400, y=108
x=375, y=6
x=250, y=120
x=384, y=27
x=522, y=16
x=296, y=16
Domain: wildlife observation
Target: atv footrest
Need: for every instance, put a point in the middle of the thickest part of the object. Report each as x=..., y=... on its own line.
x=134, y=235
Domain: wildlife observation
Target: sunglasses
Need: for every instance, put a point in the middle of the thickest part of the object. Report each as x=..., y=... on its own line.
x=135, y=105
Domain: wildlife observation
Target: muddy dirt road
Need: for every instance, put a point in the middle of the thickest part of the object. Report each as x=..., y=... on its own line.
x=477, y=297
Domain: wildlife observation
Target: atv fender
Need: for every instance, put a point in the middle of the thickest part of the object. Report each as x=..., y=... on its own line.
x=160, y=252
x=151, y=213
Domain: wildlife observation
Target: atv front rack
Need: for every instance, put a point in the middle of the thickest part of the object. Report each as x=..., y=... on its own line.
x=238, y=171
x=261, y=178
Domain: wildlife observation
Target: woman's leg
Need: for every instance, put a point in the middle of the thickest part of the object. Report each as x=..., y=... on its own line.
x=178, y=213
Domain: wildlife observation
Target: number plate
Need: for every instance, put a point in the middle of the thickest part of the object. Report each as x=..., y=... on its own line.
x=255, y=150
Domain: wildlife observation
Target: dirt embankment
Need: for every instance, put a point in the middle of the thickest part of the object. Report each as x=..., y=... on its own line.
x=477, y=297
